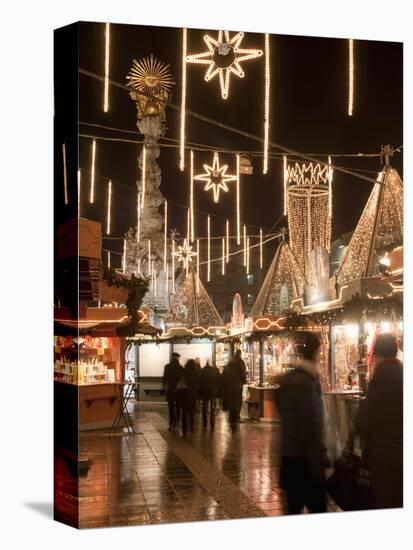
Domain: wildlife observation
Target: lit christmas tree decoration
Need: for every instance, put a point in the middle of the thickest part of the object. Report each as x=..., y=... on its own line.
x=65, y=174
x=109, y=204
x=209, y=251
x=106, y=80
x=165, y=237
x=350, y=77
x=185, y=254
x=124, y=256
x=261, y=263
x=266, y=102
x=92, y=173
x=191, y=195
x=227, y=235
x=223, y=256
x=216, y=177
x=143, y=177
x=183, y=103
x=238, y=204
x=224, y=57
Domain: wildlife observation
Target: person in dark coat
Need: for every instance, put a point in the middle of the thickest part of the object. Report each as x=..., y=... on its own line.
x=303, y=455
x=208, y=388
x=172, y=374
x=186, y=396
x=234, y=377
x=379, y=423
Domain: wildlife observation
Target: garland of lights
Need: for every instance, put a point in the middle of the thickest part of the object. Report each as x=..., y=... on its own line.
x=216, y=177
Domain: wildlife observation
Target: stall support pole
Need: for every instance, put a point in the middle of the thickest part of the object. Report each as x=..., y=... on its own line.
x=261, y=374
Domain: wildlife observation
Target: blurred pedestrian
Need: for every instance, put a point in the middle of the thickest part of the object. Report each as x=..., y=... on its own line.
x=303, y=455
x=186, y=396
x=198, y=395
x=172, y=374
x=208, y=388
x=233, y=379
x=379, y=423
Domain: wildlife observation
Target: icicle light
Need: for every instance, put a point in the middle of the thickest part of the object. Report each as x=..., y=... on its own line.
x=188, y=225
x=266, y=102
x=197, y=265
x=191, y=196
x=227, y=252
x=154, y=279
x=138, y=222
x=149, y=258
x=350, y=77
x=209, y=251
x=108, y=259
x=78, y=191
x=167, y=280
x=124, y=256
x=285, y=178
x=139, y=266
x=109, y=204
x=106, y=81
x=165, y=237
x=261, y=262
x=238, y=204
x=330, y=188
x=92, y=173
x=143, y=177
x=245, y=246
x=65, y=174
x=223, y=256
x=183, y=103
x=173, y=266
x=247, y=263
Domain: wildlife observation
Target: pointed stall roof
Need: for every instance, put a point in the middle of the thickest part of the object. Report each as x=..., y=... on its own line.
x=380, y=225
x=283, y=273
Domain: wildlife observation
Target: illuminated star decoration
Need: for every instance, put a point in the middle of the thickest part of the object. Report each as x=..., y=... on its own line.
x=185, y=254
x=224, y=56
x=216, y=177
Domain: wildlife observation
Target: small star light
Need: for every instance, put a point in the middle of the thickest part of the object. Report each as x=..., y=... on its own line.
x=224, y=56
x=216, y=177
x=185, y=254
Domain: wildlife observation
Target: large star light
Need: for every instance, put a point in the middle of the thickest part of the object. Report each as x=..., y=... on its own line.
x=224, y=56
x=216, y=177
x=184, y=254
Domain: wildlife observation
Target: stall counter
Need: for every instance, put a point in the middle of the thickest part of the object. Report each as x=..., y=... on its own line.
x=261, y=403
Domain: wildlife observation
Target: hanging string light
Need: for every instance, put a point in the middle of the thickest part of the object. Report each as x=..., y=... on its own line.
x=266, y=102
x=154, y=278
x=183, y=103
x=227, y=253
x=138, y=224
x=106, y=80
x=261, y=263
x=188, y=225
x=197, y=265
x=65, y=174
x=109, y=207
x=173, y=265
x=143, y=176
x=209, y=251
x=223, y=256
x=191, y=195
x=167, y=279
x=245, y=246
x=92, y=173
x=238, y=204
x=165, y=237
x=124, y=256
x=330, y=190
x=108, y=259
x=285, y=179
x=350, y=77
x=78, y=191
x=247, y=263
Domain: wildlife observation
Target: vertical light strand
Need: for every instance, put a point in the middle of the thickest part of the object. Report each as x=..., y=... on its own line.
x=245, y=246
x=187, y=262
x=165, y=237
x=108, y=259
x=238, y=204
x=350, y=77
x=266, y=102
x=124, y=256
x=261, y=262
x=173, y=266
x=191, y=195
x=139, y=266
x=109, y=205
x=65, y=174
x=154, y=278
x=167, y=280
x=285, y=178
x=79, y=176
x=247, y=263
x=149, y=258
x=183, y=103
x=106, y=80
x=138, y=222
x=330, y=189
x=223, y=256
x=227, y=252
x=92, y=173
x=209, y=250
x=143, y=176
x=188, y=226
x=197, y=265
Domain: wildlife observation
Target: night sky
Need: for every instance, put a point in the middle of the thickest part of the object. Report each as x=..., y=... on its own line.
x=308, y=114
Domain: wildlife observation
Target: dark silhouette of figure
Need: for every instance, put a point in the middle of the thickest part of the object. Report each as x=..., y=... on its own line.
x=233, y=379
x=186, y=396
x=379, y=423
x=172, y=374
x=303, y=455
x=209, y=383
x=198, y=395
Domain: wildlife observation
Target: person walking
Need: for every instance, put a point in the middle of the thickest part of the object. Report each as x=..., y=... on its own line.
x=173, y=372
x=208, y=388
x=186, y=396
x=379, y=423
x=198, y=395
x=303, y=455
x=234, y=377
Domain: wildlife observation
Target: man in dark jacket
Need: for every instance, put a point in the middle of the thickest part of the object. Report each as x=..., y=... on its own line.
x=234, y=377
x=172, y=374
x=208, y=389
x=303, y=456
x=380, y=425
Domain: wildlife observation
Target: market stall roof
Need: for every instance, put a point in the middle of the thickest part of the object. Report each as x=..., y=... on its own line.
x=380, y=225
x=284, y=281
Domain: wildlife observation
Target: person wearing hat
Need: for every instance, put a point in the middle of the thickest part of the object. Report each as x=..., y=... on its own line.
x=173, y=372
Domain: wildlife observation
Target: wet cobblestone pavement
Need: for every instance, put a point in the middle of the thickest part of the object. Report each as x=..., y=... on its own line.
x=157, y=476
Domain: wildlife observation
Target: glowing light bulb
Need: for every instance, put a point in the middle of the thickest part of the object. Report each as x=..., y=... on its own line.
x=109, y=206
x=106, y=80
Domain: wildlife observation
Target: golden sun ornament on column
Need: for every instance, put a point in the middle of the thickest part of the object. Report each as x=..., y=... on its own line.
x=224, y=56
x=216, y=177
x=185, y=254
